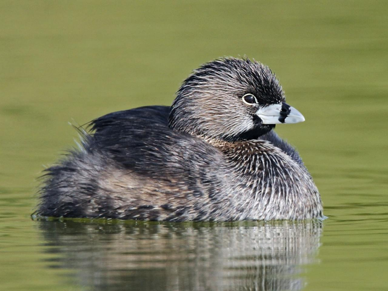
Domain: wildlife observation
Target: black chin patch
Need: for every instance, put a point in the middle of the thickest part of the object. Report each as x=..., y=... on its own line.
x=258, y=130
x=255, y=133
x=284, y=112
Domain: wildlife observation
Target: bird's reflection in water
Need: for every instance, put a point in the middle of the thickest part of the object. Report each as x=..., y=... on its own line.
x=184, y=256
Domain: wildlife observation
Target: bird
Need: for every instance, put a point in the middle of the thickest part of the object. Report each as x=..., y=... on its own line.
x=211, y=156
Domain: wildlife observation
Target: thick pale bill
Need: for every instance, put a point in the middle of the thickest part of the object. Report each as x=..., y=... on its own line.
x=271, y=115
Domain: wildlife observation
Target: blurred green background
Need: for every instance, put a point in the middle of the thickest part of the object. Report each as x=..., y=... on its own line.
x=72, y=61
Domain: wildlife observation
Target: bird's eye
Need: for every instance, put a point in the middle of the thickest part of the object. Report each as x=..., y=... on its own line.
x=249, y=99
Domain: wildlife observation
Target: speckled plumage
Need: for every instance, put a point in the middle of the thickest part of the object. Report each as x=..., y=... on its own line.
x=208, y=157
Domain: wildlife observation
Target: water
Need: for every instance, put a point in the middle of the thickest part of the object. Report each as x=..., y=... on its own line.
x=74, y=61
x=154, y=256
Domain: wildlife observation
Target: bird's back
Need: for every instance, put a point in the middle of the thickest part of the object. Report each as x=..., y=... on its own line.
x=133, y=166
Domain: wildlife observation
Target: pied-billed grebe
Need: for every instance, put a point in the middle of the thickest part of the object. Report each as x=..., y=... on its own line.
x=212, y=155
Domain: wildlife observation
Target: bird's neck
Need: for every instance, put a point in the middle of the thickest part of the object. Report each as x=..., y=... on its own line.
x=245, y=157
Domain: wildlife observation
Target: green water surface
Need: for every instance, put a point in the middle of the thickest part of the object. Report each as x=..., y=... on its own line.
x=72, y=61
